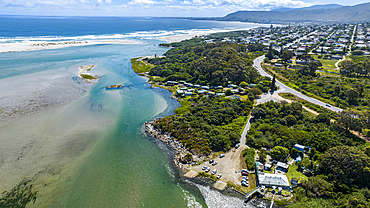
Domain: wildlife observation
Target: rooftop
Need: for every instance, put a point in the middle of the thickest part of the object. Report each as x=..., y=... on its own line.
x=273, y=179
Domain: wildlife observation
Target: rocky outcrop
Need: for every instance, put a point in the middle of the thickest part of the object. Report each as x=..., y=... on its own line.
x=181, y=157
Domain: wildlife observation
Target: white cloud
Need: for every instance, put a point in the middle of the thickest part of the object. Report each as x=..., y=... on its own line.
x=150, y=7
x=142, y=2
x=38, y=2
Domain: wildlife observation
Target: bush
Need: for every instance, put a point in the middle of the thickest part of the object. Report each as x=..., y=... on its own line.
x=249, y=158
x=279, y=153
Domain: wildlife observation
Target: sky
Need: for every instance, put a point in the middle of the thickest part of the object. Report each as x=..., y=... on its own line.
x=157, y=8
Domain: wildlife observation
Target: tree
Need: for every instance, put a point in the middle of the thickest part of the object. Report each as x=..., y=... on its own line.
x=228, y=92
x=291, y=120
x=258, y=112
x=255, y=91
x=352, y=96
x=318, y=187
x=347, y=67
x=347, y=165
x=270, y=53
x=279, y=153
x=243, y=84
x=286, y=55
x=294, y=153
x=272, y=86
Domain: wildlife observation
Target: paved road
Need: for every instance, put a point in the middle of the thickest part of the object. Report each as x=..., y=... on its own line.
x=352, y=39
x=245, y=131
x=274, y=96
x=285, y=89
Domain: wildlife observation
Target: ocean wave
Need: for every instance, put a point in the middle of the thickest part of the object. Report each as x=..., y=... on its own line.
x=156, y=34
x=190, y=199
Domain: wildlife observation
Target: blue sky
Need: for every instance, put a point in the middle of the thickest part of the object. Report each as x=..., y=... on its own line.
x=183, y=8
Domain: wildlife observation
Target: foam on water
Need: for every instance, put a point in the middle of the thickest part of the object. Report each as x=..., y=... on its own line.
x=191, y=201
x=215, y=199
x=155, y=34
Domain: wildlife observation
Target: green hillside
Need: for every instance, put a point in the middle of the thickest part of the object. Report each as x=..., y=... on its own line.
x=357, y=13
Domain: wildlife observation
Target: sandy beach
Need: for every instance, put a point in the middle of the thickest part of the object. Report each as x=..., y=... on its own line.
x=178, y=38
x=42, y=45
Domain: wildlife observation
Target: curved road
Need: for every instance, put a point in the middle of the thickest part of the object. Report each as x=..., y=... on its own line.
x=275, y=97
x=285, y=89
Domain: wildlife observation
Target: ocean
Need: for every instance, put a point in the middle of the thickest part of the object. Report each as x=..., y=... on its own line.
x=81, y=145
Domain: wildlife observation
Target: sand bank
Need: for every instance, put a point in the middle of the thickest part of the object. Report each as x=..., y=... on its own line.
x=42, y=45
x=178, y=38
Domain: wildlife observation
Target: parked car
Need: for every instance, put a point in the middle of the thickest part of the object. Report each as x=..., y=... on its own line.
x=222, y=155
x=214, y=171
x=237, y=146
x=244, y=181
x=219, y=176
x=245, y=178
x=328, y=105
x=204, y=167
x=208, y=169
x=245, y=184
x=214, y=163
x=211, y=161
x=245, y=172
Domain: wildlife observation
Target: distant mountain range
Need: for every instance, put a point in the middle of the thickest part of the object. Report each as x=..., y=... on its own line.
x=326, y=6
x=329, y=12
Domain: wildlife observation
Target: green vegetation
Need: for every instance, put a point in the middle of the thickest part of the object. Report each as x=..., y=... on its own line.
x=293, y=173
x=309, y=105
x=88, y=76
x=206, y=64
x=213, y=177
x=207, y=124
x=356, y=68
x=139, y=66
x=352, y=91
x=276, y=124
x=249, y=155
x=342, y=180
x=338, y=159
x=279, y=153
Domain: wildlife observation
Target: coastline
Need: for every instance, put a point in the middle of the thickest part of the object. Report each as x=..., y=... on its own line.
x=42, y=45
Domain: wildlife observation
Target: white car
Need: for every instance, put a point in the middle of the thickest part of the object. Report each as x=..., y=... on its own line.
x=208, y=169
x=214, y=171
x=222, y=155
x=204, y=167
x=214, y=163
x=219, y=176
x=245, y=178
x=245, y=184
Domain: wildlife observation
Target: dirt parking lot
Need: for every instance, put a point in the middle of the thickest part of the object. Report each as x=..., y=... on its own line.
x=227, y=166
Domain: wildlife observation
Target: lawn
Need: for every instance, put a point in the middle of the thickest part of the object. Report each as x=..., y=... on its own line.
x=327, y=64
x=294, y=173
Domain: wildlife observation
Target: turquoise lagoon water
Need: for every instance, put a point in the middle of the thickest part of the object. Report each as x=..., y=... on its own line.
x=122, y=167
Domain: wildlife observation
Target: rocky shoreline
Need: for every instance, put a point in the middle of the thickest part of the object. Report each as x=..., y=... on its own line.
x=180, y=151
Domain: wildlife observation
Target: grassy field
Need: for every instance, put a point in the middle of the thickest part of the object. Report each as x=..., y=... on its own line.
x=327, y=64
x=140, y=66
x=294, y=173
